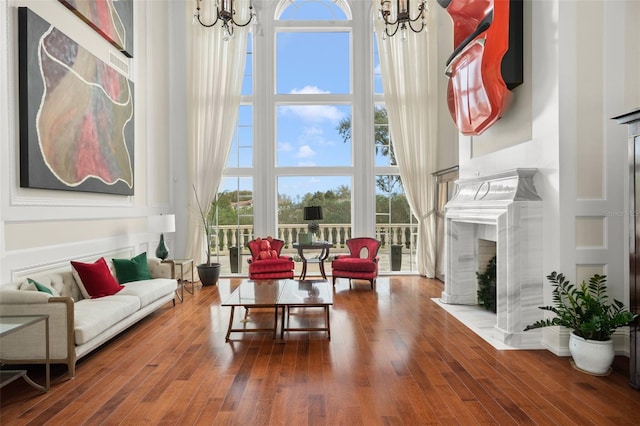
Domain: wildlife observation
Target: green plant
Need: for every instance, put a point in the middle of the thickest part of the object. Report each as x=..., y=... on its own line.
x=206, y=225
x=584, y=308
x=487, y=286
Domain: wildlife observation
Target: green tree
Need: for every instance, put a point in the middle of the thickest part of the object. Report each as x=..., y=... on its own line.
x=383, y=145
x=233, y=207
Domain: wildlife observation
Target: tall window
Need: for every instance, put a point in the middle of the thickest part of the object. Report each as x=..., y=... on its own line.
x=312, y=130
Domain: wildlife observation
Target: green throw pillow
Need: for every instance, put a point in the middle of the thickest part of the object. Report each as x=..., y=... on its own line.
x=39, y=286
x=134, y=269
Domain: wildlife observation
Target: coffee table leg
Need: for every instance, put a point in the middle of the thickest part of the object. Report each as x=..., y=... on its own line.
x=326, y=311
x=275, y=323
x=230, y=323
x=282, y=323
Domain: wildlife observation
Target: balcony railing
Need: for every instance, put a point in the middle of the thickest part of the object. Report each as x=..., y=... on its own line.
x=228, y=236
x=233, y=239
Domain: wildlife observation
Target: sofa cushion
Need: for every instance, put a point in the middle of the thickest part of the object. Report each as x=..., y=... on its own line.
x=272, y=265
x=148, y=291
x=94, y=316
x=134, y=269
x=95, y=279
x=354, y=264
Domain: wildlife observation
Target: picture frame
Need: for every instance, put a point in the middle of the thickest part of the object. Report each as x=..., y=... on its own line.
x=76, y=114
x=112, y=19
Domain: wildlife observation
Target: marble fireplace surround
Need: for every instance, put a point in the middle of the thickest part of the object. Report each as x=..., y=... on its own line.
x=504, y=208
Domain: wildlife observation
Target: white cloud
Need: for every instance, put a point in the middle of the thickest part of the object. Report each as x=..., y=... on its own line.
x=314, y=136
x=313, y=113
x=305, y=151
x=309, y=90
x=285, y=146
x=312, y=131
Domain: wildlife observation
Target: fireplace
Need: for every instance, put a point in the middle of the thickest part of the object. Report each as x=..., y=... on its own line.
x=504, y=208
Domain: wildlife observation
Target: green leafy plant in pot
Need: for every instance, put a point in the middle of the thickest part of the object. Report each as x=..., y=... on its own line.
x=209, y=272
x=586, y=311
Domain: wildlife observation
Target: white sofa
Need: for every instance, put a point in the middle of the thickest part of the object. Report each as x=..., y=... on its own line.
x=78, y=325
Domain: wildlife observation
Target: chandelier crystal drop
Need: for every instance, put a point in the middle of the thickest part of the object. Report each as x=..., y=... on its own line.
x=399, y=17
x=225, y=13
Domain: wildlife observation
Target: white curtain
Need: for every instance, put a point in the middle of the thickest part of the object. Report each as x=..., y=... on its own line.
x=217, y=69
x=410, y=94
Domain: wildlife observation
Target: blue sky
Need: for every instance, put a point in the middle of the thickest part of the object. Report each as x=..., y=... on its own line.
x=307, y=63
x=312, y=63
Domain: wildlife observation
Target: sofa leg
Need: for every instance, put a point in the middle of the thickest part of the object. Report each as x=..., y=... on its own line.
x=72, y=369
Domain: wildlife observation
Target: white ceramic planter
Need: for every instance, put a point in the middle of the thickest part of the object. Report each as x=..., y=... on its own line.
x=592, y=356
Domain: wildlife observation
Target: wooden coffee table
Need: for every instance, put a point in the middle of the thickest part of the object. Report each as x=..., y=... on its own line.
x=306, y=294
x=254, y=294
x=285, y=294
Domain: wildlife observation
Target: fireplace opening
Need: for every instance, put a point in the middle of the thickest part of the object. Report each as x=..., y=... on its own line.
x=486, y=274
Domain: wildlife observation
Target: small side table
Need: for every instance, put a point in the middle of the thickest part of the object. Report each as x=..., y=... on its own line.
x=323, y=246
x=13, y=323
x=181, y=263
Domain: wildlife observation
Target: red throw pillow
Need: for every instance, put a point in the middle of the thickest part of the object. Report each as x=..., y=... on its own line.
x=265, y=250
x=96, y=278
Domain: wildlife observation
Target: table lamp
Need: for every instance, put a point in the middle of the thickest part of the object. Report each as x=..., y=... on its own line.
x=313, y=213
x=162, y=223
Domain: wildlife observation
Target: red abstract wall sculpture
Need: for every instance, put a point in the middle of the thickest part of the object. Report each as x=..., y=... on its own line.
x=486, y=63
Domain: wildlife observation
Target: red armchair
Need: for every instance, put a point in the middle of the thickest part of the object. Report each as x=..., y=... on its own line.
x=361, y=262
x=266, y=263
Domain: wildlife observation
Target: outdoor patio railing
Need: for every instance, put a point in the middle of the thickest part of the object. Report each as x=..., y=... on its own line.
x=389, y=234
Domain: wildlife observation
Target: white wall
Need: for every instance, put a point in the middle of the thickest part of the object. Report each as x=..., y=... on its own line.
x=41, y=227
x=581, y=68
x=447, y=131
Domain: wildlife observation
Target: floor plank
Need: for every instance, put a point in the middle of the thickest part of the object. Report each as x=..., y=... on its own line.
x=394, y=358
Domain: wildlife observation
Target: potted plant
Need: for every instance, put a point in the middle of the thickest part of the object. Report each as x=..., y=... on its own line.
x=487, y=286
x=209, y=272
x=585, y=310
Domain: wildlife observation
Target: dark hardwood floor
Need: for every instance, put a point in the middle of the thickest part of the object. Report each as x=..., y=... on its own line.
x=395, y=358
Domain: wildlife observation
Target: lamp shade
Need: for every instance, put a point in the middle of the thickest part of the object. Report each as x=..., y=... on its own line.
x=313, y=213
x=162, y=223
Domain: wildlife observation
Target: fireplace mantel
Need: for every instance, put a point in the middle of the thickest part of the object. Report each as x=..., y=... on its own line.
x=504, y=208
x=498, y=189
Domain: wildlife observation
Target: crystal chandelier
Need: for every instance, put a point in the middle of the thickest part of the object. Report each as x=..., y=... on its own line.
x=400, y=17
x=225, y=12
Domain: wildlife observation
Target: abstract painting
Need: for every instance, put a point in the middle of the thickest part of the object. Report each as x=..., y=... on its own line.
x=76, y=114
x=112, y=19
